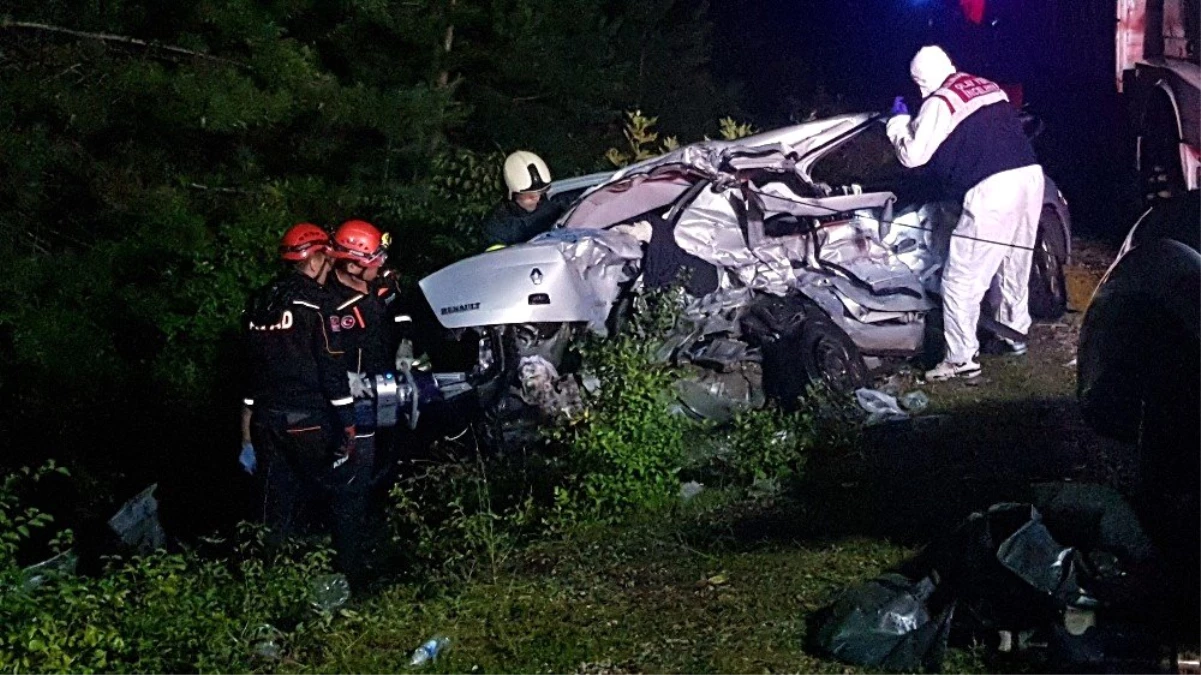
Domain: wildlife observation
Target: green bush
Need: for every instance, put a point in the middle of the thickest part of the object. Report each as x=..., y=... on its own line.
x=166, y=612
x=627, y=445
x=439, y=221
x=456, y=522
x=773, y=445
x=18, y=522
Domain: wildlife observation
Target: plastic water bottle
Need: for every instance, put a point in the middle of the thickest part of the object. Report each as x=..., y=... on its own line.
x=429, y=651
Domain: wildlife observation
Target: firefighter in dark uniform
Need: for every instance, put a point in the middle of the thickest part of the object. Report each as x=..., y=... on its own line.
x=369, y=325
x=301, y=410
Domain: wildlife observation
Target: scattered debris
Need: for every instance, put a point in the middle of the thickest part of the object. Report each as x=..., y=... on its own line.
x=915, y=401
x=719, y=396
x=880, y=407
x=63, y=564
x=711, y=582
x=330, y=592
x=543, y=388
x=266, y=642
x=137, y=524
x=605, y=668
x=1002, y=573
x=886, y=624
x=691, y=489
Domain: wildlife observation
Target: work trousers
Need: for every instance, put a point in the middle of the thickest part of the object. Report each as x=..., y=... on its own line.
x=297, y=449
x=993, y=242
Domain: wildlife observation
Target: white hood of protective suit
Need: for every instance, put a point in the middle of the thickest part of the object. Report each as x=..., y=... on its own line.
x=930, y=68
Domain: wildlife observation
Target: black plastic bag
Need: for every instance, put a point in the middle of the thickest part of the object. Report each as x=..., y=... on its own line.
x=885, y=623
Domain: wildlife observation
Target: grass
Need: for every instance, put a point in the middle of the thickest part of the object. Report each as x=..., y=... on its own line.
x=640, y=598
x=725, y=583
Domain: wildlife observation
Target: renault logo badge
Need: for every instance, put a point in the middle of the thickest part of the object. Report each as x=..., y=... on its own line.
x=536, y=276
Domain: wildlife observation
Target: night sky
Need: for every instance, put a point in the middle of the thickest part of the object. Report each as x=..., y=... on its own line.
x=861, y=48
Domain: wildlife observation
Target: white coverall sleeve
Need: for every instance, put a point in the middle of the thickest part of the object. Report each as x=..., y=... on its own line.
x=916, y=139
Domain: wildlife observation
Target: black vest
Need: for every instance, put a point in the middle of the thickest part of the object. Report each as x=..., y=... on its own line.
x=986, y=135
x=985, y=143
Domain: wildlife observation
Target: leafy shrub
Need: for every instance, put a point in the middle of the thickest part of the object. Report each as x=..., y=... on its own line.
x=18, y=522
x=641, y=138
x=439, y=221
x=731, y=130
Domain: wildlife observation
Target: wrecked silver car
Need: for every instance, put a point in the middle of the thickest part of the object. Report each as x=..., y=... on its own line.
x=813, y=228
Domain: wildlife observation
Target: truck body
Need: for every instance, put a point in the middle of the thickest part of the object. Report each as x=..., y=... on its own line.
x=1159, y=75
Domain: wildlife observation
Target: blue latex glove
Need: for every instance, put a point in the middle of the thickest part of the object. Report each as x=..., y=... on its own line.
x=247, y=459
x=899, y=107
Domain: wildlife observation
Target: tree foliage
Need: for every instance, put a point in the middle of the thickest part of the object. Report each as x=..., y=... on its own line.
x=152, y=152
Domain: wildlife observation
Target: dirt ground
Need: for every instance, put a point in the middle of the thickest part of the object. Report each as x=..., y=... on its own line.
x=981, y=440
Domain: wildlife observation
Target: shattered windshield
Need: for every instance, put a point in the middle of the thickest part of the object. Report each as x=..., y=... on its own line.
x=865, y=159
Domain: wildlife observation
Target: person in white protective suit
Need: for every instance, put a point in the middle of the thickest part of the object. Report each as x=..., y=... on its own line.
x=971, y=137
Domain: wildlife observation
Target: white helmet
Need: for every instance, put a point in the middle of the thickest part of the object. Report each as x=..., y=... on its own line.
x=930, y=68
x=525, y=172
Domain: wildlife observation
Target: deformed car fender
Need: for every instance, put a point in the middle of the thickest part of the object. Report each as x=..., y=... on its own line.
x=1144, y=311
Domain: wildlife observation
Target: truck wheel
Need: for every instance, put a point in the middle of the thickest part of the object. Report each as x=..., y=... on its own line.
x=1159, y=154
x=1048, y=289
x=830, y=357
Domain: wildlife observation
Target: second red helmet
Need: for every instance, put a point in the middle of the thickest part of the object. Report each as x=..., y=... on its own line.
x=362, y=242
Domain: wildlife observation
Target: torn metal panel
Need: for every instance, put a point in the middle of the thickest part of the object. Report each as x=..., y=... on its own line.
x=881, y=302
x=801, y=140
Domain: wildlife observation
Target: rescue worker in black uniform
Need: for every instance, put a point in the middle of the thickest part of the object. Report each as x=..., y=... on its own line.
x=369, y=326
x=301, y=411
x=526, y=212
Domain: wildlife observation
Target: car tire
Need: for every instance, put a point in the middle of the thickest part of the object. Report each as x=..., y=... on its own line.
x=1048, y=298
x=829, y=356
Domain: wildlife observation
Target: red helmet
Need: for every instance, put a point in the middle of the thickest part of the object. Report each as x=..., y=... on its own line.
x=360, y=241
x=303, y=240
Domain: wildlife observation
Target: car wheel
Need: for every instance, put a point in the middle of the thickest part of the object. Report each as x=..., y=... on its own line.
x=830, y=357
x=1048, y=289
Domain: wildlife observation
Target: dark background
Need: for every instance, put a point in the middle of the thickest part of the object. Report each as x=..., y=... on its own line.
x=856, y=53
